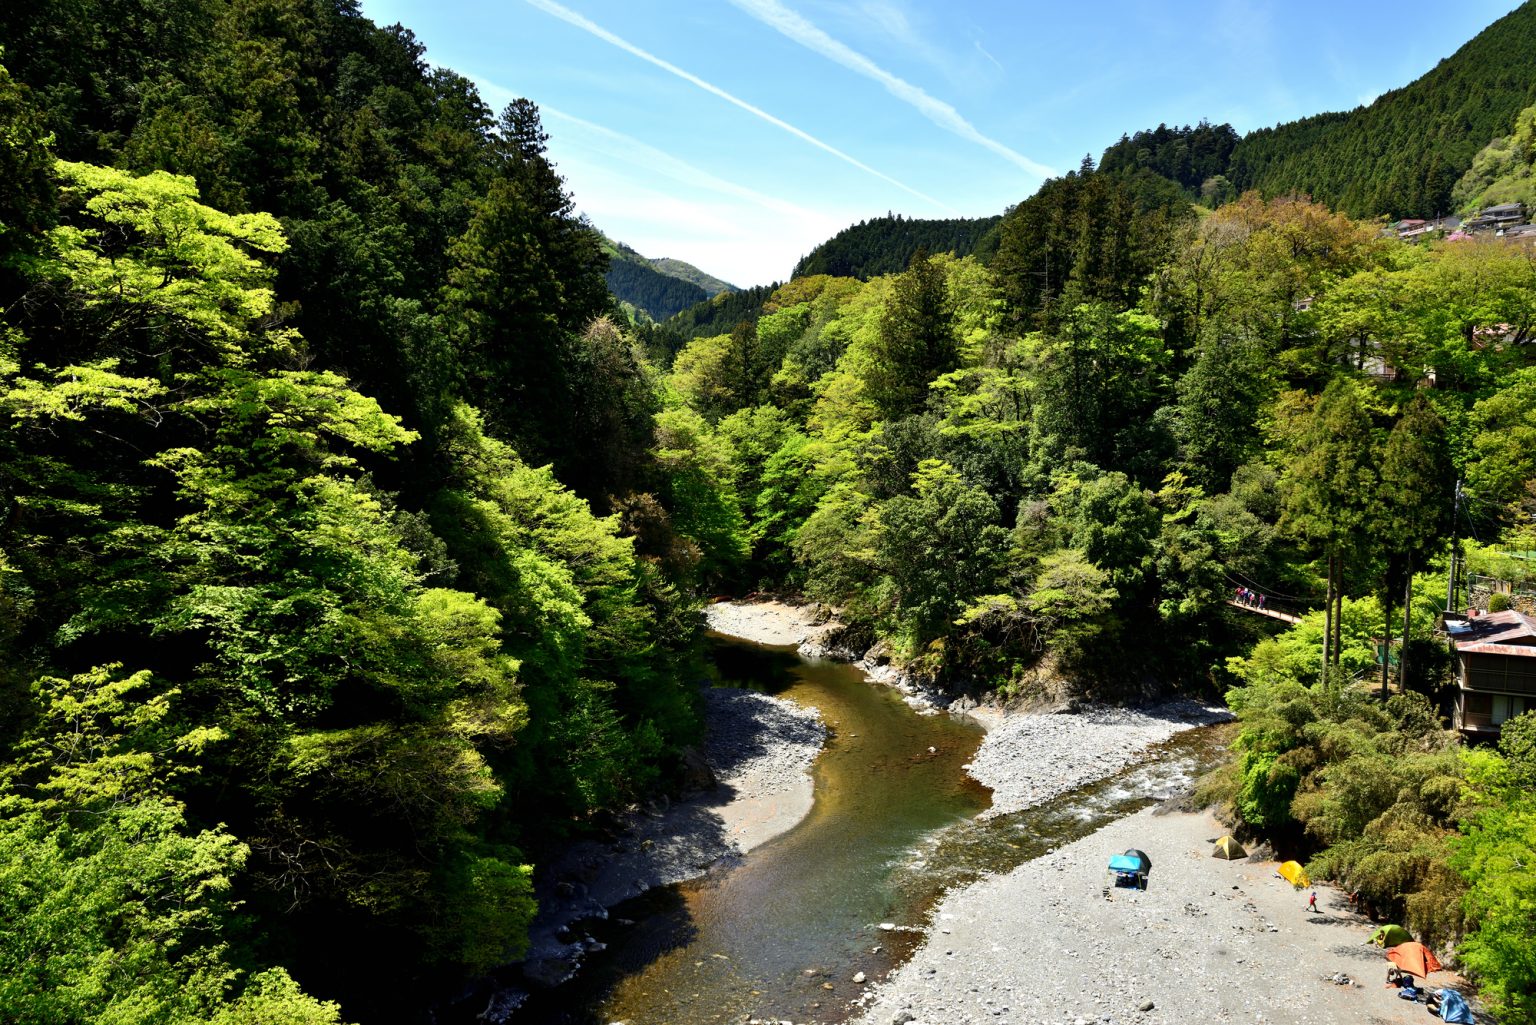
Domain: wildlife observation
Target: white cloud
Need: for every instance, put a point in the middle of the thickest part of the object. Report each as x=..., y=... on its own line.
x=722, y=227
x=796, y=27
x=983, y=51
x=571, y=17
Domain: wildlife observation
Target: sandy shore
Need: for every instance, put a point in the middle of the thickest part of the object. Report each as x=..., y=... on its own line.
x=1209, y=941
x=769, y=622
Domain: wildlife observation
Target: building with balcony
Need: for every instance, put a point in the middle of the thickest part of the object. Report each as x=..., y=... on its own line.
x=1495, y=664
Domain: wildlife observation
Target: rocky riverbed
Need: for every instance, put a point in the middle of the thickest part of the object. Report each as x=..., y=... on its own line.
x=756, y=784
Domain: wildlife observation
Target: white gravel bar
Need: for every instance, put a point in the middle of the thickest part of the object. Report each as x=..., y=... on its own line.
x=1209, y=941
x=1028, y=759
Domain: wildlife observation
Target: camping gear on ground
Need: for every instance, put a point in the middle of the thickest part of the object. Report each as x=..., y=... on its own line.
x=1391, y=936
x=1414, y=958
x=1293, y=873
x=1453, y=1008
x=1228, y=849
x=1130, y=869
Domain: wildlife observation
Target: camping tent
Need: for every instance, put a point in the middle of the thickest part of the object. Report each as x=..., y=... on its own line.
x=1453, y=1008
x=1293, y=873
x=1414, y=958
x=1228, y=849
x=1391, y=936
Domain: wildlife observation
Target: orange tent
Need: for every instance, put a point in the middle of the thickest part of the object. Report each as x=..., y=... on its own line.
x=1414, y=958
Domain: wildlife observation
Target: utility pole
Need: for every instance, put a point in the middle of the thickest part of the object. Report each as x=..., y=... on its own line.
x=1451, y=584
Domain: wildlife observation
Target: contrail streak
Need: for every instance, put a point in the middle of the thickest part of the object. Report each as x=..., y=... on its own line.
x=796, y=27
x=567, y=15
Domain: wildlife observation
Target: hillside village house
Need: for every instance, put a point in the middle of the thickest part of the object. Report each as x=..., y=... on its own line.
x=1495, y=656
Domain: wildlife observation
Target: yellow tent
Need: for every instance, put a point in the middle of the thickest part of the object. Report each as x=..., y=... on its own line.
x=1228, y=849
x=1293, y=873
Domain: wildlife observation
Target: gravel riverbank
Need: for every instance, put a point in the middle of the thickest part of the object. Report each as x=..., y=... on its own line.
x=1029, y=759
x=1209, y=941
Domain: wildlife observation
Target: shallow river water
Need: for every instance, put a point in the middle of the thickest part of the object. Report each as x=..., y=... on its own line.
x=781, y=933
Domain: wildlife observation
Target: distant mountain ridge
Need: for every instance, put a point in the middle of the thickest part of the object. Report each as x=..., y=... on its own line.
x=659, y=288
x=884, y=245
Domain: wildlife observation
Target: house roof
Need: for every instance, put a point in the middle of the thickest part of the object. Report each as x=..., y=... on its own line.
x=1490, y=648
x=1510, y=632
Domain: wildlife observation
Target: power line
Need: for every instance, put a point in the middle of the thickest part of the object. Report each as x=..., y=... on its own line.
x=1247, y=582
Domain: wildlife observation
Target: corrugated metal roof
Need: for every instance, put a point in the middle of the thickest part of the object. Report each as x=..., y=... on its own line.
x=1492, y=648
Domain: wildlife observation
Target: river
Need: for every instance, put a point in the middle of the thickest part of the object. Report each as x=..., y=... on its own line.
x=782, y=932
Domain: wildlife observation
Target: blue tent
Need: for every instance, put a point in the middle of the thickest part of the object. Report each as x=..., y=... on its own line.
x=1453, y=1007
x=1124, y=863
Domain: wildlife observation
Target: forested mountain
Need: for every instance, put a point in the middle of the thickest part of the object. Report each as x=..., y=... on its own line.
x=339, y=581
x=884, y=245
x=688, y=272
x=1196, y=159
x=351, y=540
x=1401, y=155
x=660, y=288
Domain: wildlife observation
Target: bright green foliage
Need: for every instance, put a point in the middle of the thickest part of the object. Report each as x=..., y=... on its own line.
x=150, y=255
x=300, y=473
x=1494, y=855
x=1112, y=522
x=1502, y=171
x=113, y=902
x=1070, y=597
x=707, y=509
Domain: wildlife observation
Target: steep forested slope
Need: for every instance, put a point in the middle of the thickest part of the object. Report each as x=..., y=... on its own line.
x=688, y=272
x=884, y=245
x=658, y=288
x=326, y=490
x=1401, y=155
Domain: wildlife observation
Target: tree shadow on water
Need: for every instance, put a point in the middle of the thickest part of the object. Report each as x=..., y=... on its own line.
x=636, y=933
x=743, y=664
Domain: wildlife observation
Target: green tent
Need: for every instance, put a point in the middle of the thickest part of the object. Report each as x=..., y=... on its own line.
x=1390, y=936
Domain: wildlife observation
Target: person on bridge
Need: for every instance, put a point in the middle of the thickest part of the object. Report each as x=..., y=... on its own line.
x=1261, y=602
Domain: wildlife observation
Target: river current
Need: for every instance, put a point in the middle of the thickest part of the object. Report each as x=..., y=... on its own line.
x=782, y=932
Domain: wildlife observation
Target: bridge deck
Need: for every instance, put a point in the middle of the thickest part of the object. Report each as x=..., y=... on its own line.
x=1284, y=617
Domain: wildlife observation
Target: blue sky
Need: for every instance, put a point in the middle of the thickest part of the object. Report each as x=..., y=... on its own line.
x=737, y=134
